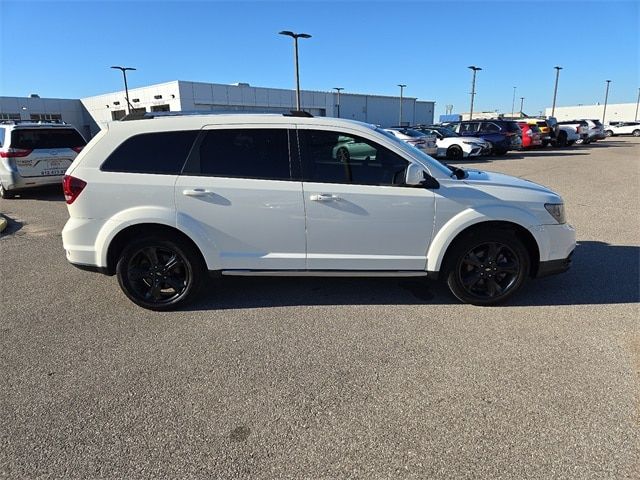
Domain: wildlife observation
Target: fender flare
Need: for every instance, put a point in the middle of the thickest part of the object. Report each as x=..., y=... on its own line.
x=470, y=217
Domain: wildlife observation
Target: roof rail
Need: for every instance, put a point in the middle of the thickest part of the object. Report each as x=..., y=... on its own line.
x=33, y=122
x=148, y=115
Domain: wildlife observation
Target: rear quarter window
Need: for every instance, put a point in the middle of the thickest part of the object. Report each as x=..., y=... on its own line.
x=159, y=152
x=37, y=138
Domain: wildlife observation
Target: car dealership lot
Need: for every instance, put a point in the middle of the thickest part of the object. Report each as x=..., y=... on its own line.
x=332, y=378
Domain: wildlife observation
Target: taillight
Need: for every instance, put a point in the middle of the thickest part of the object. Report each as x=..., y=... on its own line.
x=15, y=153
x=72, y=187
x=577, y=129
x=77, y=149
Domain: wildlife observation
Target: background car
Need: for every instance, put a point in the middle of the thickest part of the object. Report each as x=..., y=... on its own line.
x=531, y=135
x=426, y=143
x=581, y=128
x=348, y=148
x=622, y=128
x=596, y=130
x=454, y=146
x=34, y=154
x=504, y=135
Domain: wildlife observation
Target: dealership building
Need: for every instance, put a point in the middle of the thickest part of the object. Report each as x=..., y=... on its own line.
x=616, y=112
x=90, y=114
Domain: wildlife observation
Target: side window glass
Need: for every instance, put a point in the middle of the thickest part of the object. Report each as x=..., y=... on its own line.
x=245, y=153
x=333, y=157
x=162, y=153
x=490, y=127
x=469, y=127
x=1, y=136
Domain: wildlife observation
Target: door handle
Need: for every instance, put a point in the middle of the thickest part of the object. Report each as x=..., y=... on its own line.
x=323, y=197
x=196, y=192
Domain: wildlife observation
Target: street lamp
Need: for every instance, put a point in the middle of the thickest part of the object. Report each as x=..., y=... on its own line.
x=521, y=105
x=473, y=88
x=295, y=37
x=126, y=88
x=402, y=86
x=513, y=102
x=606, y=97
x=637, y=105
x=338, y=89
x=555, y=90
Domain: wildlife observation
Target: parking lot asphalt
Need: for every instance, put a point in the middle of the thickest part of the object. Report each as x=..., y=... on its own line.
x=332, y=378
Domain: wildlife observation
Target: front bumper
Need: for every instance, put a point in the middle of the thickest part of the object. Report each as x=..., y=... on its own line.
x=554, y=267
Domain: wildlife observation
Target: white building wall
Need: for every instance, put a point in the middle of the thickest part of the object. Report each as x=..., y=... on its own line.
x=70, y=110
x=615, y=112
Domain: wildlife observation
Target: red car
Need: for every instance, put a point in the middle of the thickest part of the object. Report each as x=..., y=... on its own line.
x=531, y=136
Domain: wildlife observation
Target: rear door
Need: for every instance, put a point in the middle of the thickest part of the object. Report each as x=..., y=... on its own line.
x=42, y=152
x=240, y=190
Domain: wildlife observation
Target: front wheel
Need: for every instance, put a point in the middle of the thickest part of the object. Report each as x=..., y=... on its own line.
x=608, y=133
x=486, y=267
x=454, y=152
x=636, y=133
x=160, y=274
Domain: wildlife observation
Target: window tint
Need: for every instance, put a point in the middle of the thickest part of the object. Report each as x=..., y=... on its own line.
x=245, y=153
x=333, y=157
x=1, y=136
x=46, y=138
x=490, y=128
x=161, y=152
x=510, y=127
x=469, y=127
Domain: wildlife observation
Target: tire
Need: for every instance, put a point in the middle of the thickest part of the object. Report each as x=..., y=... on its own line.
x=454, y=152
x=608, y=133
x=500, y=152
x=636, y=133
x=486, y=267
x=343, y=155
x=545, y=143
x=562, y=139
x=6, y=194
x=158, y=273
x=570, y=143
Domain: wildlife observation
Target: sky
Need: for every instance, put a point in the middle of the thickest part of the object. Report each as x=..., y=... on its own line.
x=63, y=49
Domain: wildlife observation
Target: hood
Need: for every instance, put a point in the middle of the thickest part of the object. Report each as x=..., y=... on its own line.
x=492, y=180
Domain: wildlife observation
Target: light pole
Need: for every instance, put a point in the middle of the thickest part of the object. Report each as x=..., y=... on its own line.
x=513, y=102
x=295, y=37
x=606, y=97
x=401, y=85
x=521, y=105
x=473, y=88
x=637, y=105
x=126, y=88
x=338, y=89
x=555, y=90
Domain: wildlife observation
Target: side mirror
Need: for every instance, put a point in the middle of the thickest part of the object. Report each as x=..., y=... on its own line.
x=415, y=176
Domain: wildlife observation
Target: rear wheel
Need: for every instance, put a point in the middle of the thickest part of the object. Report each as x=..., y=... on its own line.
x=562, y=139
x=608, y=133
x=570, y=142
x=6, y=194
x=486, y=267
x=160, y=274
x=500, y=152
x=454, y=152
x=636, y=133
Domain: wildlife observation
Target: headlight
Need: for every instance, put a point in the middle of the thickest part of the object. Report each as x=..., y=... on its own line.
x=469, y=143
x=556, y=210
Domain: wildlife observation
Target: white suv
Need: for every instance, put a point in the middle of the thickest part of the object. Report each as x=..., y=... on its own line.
x=34, y=154
x=162, y=201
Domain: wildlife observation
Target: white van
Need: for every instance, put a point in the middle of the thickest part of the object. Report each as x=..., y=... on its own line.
x=163, y=200
x=34, y=154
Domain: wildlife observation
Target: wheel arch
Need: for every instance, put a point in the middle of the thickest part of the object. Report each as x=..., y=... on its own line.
x=124, y=236
x=437, y=256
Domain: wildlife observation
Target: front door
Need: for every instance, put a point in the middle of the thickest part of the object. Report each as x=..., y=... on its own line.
x=359, y=216
x=237, y=189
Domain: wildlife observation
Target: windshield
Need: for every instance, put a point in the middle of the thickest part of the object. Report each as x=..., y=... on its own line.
x=429, y=162
x=447, y=133
x=409, y=132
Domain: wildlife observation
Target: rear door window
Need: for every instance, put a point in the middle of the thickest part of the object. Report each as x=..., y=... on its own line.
x=44, y=138
x=160, y=152
x=489, y=127
x=243, y=153
x=469, y=127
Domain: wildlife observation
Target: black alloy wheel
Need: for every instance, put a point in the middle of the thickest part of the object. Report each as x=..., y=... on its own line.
x=159, y=274
x=454, y=152
x=488, y=269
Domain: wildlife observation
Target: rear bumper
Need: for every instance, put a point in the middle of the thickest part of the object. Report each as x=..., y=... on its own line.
x=13, y=181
